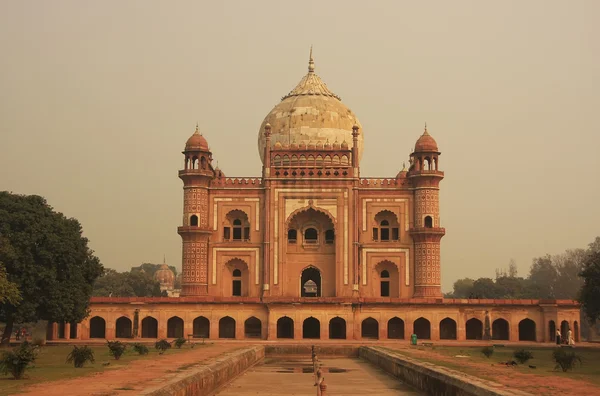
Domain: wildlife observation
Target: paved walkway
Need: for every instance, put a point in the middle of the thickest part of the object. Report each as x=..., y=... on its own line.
x=129, y=379
x=288, y=376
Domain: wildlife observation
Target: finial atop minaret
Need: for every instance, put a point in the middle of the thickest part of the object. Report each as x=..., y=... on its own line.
x=197, y=131
x=164, y=258
x=403, y=167
x=425, y=132
x=311, y=62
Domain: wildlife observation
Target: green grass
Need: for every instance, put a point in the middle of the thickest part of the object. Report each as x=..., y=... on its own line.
x=542, y=358
x=50, y=365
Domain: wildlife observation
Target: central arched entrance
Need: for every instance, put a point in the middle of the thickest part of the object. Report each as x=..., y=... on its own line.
x=396, y=328
x=527, y=330
x=149, y=327
x=97, y=327
x=227, y=327
x=201, y=327
x=310, y=282
x=311, y=328
x=500, y=330
x=448, y=329
x=123, y=327
x=252, y=327
x=369, y=328
x=422, y=328
x=175, y=327
x=337, y=328
x=474, y=329
x=285, y=327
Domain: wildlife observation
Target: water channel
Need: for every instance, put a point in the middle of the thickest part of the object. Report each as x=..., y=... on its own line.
x=284, y=375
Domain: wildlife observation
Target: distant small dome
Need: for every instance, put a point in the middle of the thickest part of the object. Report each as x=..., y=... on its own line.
x=196, y=142
x=426, y=143
x=278, y=146
x=345, y=145
x=165, y=276
x=319, y=146
x=336, y=145
x=312, y=146
x=294, y=146
x=327, y=145
x=302, y=146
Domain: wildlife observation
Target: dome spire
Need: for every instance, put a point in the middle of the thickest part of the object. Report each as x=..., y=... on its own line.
x=311, y=84
x=311, y=62
x=425, y=132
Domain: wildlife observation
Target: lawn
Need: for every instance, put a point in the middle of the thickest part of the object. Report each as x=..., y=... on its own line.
x=588, y=371
x=50, y=365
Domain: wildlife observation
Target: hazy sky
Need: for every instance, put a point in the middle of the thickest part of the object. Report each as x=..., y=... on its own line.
x=97, y=99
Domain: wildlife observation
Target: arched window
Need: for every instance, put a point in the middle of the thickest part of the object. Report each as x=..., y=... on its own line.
x=203, y=163
x=237, y=227
x=311, y=235
x=292, y=236
x=387, y=228
x=329, y=236
x=237, y=283
x=385, y=283
x=194, y=221
x=428, y=222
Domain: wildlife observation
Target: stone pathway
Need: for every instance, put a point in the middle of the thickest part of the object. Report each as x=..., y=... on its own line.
x=129, y=379
x=293, y=376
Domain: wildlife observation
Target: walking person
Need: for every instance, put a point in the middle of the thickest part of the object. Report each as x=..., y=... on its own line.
x=558, y=336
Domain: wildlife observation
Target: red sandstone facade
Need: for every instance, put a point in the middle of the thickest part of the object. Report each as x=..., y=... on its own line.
x=313, y=250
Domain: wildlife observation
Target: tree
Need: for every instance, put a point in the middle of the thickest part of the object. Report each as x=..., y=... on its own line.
x=48, y=259
x=462, y=288
x=9, y=291
x=543, y=276
x=590, y=292
x=126, y=284
x=484, y=288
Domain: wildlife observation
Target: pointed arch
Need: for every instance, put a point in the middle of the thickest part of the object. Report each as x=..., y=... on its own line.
x=474, y=329
x=285, y=327
x=311, y=328
x=97, y=327
x=396, y=328
x=307, y=209
x=447, y=329
x=253, y=327
x=149, y=327
x=369, y=328
x=175, y=327
x=123, y=327
x=227, y=327
x=422, y=328
x=527, y=330
x=337, y=328
x=201, y=327
x=500, y=329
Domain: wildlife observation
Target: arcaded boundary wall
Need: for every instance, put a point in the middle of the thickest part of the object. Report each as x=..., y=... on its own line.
x=207, y=379
x=432, y=379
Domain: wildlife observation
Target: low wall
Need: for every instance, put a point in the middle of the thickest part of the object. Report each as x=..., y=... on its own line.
x=432, y=379
x=207, y=379
x=305, y=350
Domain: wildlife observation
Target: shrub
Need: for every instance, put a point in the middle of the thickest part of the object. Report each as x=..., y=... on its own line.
x=523, y=355
x=16, y=361
x=140, y=348
x=565, y=359
x=179, y=342
x=80, y=355
x=116, y=349
x=487, y=351
x=162, y=346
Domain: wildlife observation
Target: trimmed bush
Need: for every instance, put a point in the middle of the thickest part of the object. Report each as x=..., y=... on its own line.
x=116, y=349
x=566, y=360
x=79, y=355
x=141, y=349
x=523, y=356
x=162, y=346
x=487, y=351
x=16, y=361
x=179, y=342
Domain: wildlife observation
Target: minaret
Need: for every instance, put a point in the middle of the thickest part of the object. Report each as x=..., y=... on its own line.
x=426, y=231
x=195, y=231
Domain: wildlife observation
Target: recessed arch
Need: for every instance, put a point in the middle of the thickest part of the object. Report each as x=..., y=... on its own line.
x=201, y=327
x=369, y=328
x=175, y=327
x=552, y=331
x=236, y=226
x=527, y=330
x=312, y=211
x=500, y=329
x=395, y=328
x=474, y=329
x=123, y=327
x=386, y=279
x=422, y=328
x=428, y=221
x=97, y=327
x=285, y=327
x=386, y=227
x=311, y=328
x=310, y=282
x=337, y=328
x=447, y=329
x=193, y=221
x=227, y=327
x=149, y=327
x=253, y=327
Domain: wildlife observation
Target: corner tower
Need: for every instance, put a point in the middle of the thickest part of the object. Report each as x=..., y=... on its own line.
x=426, y=232
x=195, y=231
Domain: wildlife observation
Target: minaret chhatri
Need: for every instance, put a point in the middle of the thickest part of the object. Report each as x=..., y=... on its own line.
x=426, y=232
x=195, y=231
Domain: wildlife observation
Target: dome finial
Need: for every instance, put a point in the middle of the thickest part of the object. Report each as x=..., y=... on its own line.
x=311, y=62
x=197, y=129
x=164, y=258
x=425, y=132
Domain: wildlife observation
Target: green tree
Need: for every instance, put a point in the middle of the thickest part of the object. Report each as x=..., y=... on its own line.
x=126, y=284
x=543, y=276
x=9, y=291
x=462, y=288
x=48, y=259
x=590, y=292
x=484, y=288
